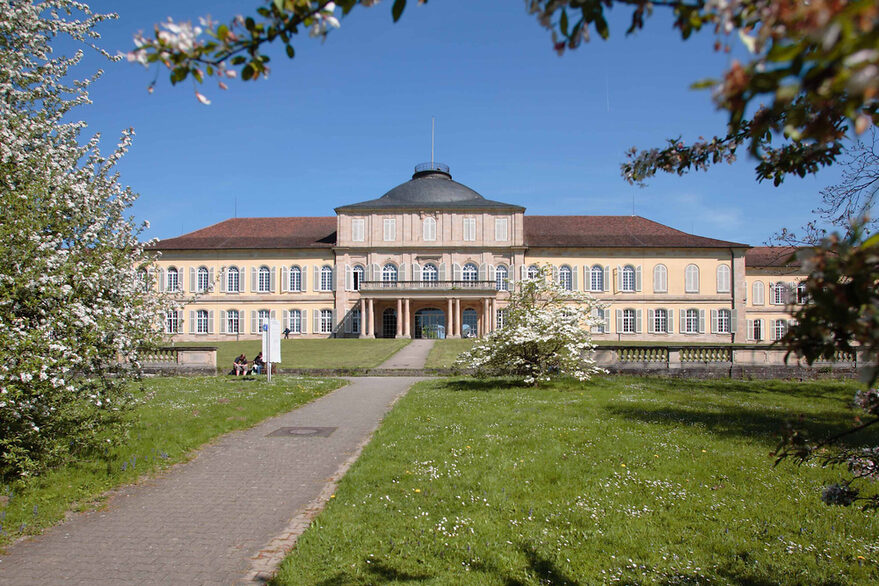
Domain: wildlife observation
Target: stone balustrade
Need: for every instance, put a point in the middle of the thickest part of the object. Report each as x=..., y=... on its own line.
x=181, y=360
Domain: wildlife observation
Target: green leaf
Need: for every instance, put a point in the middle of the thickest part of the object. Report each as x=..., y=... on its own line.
x=247, y=72
x=563, y=23
x=290, y=52
x=397, y=9
x=872, y=241
x=222, y=32
x=601, y=27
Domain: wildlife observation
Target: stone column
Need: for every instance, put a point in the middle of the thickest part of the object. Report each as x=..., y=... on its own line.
x=486, y=320
x=492, y=315
x=399, y=333
x=450, y=318
x=371, y=318
x=458, y=324
x=407, y=332
x=363, y=320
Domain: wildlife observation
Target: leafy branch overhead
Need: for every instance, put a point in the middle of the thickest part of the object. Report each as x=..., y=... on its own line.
x=811, y=72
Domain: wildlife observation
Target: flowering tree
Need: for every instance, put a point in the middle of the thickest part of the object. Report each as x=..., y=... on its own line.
x=545, y=334
x=73, y=309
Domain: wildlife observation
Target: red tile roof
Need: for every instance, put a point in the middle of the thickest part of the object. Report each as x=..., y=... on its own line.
x=258, y=233
x=612, y=232
x=771, y=256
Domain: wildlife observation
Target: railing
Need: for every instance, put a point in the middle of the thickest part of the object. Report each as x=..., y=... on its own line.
x=639, y=354
x=160, y=356
x=706, y=354
x=421, y=167
x=425, y=285
x=180, y=359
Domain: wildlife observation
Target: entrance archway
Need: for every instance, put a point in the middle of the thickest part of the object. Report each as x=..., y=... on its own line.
x=469, y=323
x=389, y=323
x=430, y=322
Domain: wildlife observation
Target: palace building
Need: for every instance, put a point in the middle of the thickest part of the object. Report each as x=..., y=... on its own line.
x=434, y=258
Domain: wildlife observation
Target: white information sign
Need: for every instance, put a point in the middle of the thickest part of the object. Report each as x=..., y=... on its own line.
x=271, y=345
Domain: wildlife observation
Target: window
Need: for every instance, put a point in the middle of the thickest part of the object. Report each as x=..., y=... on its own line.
x=469, y=229
x=628, y=325
x=757, y=291
x=501, y=277
x=802, y=295
x=660, y=279
x=264, y=282
x=778, y=293
x=724, y=319
x=428, y=229
x=295, y=279
x=501, y=226
x=173, y=279
x=691, y=321
x=358, y=229
x=263, y=316
x=600, y=327
x=389, y=273
x=355, y=321
x=202, y=281
x=660, y=321
x=390, y=229
x=143, y=280
x=627, y=281
x=201, y=321
x=596, y=278
x=723, y=279
x=565, y=279
x=356, y=277
x=533, y=272
x=172, y=322
x=501, y=318
x=233, y=321
x=470, y=272
x=294, y=321
x=779, y=328
x=691, y=279
x=326, y=321
x=233, y=280
x=326, y=278
x=429, y=273
x=757, y=329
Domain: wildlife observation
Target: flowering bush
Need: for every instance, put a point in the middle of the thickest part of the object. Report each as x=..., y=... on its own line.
x=545, y=334
x=73, y=312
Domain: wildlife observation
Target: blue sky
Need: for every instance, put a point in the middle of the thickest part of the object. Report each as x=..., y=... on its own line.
x=347, y=120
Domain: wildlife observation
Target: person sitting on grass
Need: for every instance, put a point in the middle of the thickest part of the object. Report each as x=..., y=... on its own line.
x=258, y=364
x=239, y=365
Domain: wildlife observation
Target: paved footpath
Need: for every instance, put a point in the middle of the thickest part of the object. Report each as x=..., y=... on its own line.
x=412, y=355
x=220, y=517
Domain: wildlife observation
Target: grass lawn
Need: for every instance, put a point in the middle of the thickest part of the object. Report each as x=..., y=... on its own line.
x=322, y=353
x=444, y=352
x=636, y=481
x=176, y=416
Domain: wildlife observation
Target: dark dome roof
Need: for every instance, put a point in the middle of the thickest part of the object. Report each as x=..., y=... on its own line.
x=431, y=187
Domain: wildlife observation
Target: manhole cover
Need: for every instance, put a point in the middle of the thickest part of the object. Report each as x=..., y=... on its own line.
x=303, y=431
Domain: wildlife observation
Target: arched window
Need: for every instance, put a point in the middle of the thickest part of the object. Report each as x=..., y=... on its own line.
x=724, y=318
x=264, y=283
x=326, y=278
x=294, y=321
x=723, y=279
x=628, y=325
x=201, y=321
x=565, y=278
x=173, y=279
x=470, y=272
x=691, y=279
x=233, y=321
x=295, y=279
x=533, y=272
x=502, y=276
x=389, y=273
x=429, y=229
x=233, y=280
x=202, y=281
x=596, y=278
x=757, y=293
x=660, y=279
x=429, y=273
x=660, y=321
x=627, y=282
x=356, y=277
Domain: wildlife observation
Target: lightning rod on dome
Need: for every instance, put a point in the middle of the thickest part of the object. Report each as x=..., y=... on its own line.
x=432, y=136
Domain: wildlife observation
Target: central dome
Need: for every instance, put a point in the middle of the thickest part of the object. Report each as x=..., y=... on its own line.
x=431, y=183
x=430, y=188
